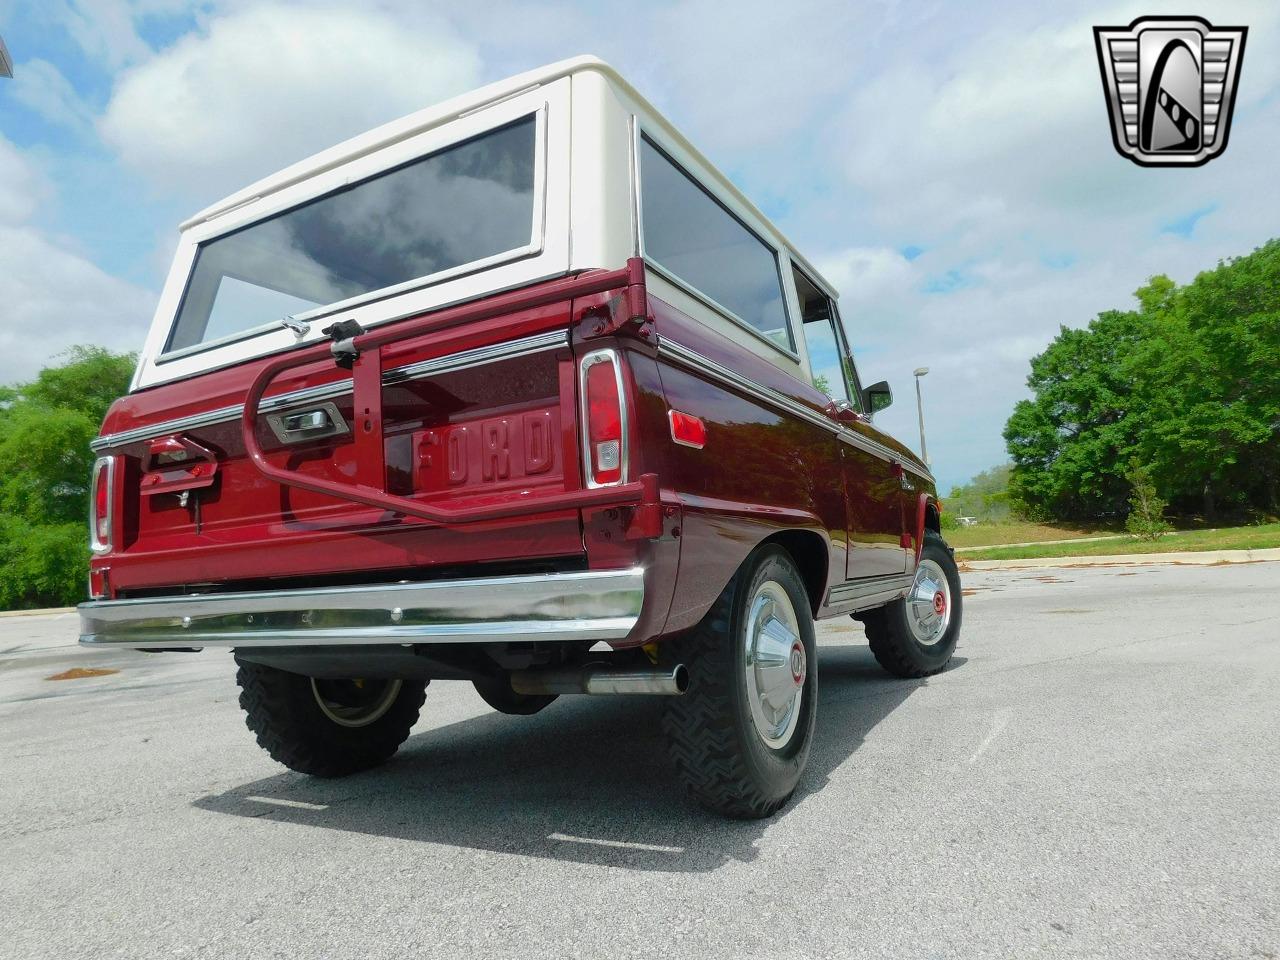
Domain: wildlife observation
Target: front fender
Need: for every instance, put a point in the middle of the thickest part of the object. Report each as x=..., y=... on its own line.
x=923, y=502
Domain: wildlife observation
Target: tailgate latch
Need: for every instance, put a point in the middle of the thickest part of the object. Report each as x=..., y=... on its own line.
x=343, y=334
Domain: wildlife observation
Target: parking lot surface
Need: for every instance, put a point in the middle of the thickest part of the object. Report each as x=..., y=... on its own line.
x=1096, y=775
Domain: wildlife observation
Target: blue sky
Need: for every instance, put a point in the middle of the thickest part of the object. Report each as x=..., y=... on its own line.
x=948, y=166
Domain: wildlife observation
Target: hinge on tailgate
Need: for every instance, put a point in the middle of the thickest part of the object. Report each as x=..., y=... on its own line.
x=343, y=334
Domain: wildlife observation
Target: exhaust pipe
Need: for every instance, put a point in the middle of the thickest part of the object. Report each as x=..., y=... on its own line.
x=601, y=678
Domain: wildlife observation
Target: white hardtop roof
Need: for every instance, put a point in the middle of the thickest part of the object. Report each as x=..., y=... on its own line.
x=415, y=123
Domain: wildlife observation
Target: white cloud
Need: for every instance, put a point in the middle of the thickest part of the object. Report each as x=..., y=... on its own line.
x=869, y=275
x=51, y=297
x=54, y=298
x=104, y=29
x=265, y=86
x=43, y=88
x=21, y=187
x=995, y=156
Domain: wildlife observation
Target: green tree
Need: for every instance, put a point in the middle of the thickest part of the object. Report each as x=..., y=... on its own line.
x=1066, y=442
x=45, y=429
x=986, y=496
x=1189, y=384
x=1211, y=388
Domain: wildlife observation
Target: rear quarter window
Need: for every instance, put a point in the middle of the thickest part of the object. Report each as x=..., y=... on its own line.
x=691, y=236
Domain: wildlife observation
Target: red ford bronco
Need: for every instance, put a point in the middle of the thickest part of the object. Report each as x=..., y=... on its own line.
x=518, y=390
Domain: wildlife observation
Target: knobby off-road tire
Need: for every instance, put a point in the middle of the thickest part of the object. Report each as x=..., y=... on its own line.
x=719, y=752
x=905, y=641
x=327, y=728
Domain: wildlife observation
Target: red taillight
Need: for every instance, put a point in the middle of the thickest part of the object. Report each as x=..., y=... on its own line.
x=688, y=430
x=100, y=505
x=602, y=405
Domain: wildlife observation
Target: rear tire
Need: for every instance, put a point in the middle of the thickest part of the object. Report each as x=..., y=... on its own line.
x=327, y=728
x=739, y=736
x=916, y=636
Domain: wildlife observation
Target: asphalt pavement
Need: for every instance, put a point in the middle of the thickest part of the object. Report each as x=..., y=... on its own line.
x=1096, y=775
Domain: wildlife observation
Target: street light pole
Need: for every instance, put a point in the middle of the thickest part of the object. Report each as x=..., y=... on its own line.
x=924, y=451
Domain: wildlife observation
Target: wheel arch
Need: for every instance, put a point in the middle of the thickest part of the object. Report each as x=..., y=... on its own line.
x=812, y=558
x=928, y=517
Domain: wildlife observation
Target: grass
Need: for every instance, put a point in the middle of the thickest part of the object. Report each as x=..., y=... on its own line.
x=1015, y=531
x=1259, y=537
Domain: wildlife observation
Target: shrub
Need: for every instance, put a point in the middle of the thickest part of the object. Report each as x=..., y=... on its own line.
x=1146, y=509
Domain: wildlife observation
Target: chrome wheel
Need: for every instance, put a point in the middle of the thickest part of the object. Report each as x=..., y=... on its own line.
x=929, y=604
x=355, y=703
x=776, y=665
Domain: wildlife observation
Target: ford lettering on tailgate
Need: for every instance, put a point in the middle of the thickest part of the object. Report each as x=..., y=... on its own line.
x=509, y=450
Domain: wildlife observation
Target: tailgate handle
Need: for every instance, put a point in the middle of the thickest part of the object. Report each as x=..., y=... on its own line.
x=301, y=422
x=316, y=423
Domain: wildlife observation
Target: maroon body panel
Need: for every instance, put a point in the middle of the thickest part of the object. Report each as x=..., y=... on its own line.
x=496, y=444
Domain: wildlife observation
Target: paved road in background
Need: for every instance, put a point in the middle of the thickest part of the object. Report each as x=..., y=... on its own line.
x=1097, y=775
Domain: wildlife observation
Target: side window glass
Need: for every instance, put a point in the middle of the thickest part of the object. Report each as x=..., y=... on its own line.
x=691, y=236
x=832, y=371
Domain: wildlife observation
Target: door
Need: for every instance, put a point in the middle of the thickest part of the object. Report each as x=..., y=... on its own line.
x=872, y=488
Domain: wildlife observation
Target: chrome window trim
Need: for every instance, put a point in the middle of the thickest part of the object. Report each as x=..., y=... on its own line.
x=581, y=605
x=537, y=241
x=639, y=133
x=461, y=360
x=108, y=463
x=842, y=342
x=624, y=455
x=697, y=363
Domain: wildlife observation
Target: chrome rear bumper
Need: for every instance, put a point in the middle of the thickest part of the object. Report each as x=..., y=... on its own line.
x=590, y=605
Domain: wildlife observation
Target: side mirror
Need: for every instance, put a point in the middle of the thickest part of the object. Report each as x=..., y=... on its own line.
x=877, y=397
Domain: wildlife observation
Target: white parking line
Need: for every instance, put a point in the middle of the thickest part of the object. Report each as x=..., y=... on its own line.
x=998, y=723
x=282, y=802
x=622, y=844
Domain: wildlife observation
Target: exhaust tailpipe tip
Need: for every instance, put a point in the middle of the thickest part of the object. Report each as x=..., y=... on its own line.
x=599, y=679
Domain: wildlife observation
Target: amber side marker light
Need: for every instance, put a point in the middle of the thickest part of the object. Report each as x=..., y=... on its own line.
x=687, y=430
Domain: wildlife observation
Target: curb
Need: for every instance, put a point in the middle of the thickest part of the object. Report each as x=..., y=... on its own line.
x=1204, y=558
x=48, y=611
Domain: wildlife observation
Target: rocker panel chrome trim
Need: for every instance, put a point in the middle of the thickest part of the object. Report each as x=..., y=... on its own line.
x=869, y=592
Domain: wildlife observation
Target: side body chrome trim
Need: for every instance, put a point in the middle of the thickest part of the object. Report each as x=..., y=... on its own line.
x=412, y=371
x=586, y=605
x=869, y=592
x=696, y=362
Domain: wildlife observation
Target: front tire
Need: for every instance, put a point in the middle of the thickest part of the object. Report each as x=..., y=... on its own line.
x=327, y=728
x=740, y=735
x=916, y=636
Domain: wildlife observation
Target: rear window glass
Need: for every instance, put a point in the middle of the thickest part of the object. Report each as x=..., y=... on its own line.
x=690, y=235
x=466, y=203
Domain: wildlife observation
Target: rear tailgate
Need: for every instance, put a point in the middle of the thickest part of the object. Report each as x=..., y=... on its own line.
x=477, y=413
